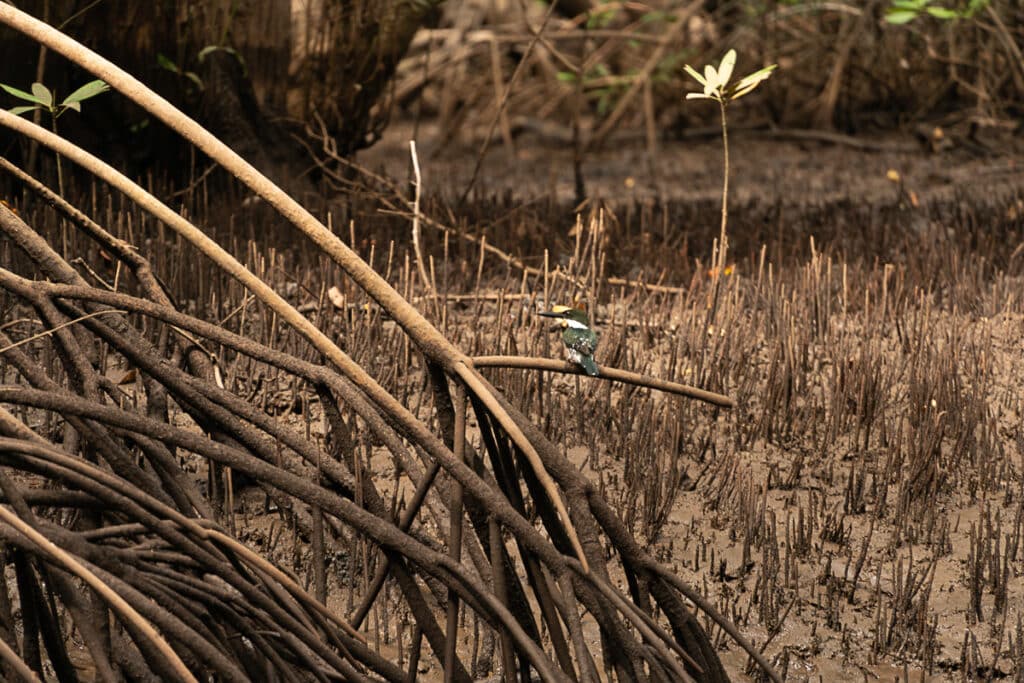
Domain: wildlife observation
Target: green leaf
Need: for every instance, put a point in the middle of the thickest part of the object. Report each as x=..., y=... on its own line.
x=725, y=68
x=21, y=94
x=90, y=89
x=77, y=106
x=18, y=111
x=566, y=77
x=748, y=83
x=656, y=16
x=975, y=6
x=601, y=19
x=745, y=90
x=43, y=94
x=194, y=77
x=760, y=74
x=943, y=13
x=206, y=51
x=164, y=62
x=694, y=74
x=900, y=16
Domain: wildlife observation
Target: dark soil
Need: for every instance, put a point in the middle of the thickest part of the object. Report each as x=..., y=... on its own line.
x=728, y=530
x=795, y=167
x=861, y=507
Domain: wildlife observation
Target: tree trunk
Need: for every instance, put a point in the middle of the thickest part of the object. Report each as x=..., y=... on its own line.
x=347, y=52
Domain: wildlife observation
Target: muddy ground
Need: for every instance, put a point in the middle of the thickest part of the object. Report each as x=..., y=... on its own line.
x=856, y=595
x=859, y=513
x=797, y=167
x=862, y=507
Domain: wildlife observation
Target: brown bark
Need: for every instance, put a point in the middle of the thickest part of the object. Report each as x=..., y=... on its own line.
x=349, y=50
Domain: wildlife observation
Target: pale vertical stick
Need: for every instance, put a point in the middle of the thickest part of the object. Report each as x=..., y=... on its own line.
x=455, y=534
x=416, y=223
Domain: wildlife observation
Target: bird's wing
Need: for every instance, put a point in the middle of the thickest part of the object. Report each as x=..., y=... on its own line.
x=585, y=344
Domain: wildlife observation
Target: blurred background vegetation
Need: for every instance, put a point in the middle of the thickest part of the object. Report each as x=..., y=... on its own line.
x=272, y=77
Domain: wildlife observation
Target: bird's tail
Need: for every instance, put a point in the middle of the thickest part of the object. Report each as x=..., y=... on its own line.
x=588, y=364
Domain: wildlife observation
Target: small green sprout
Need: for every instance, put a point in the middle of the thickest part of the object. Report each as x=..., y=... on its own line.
x=45, y=99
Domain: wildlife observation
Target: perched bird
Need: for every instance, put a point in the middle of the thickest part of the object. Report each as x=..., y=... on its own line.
x=580, y=341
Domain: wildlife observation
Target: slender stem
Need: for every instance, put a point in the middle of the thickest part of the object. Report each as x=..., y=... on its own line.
x=60, y=173
x=60, y=186
x=37, y=115
x=718, y=258
x=722, y=243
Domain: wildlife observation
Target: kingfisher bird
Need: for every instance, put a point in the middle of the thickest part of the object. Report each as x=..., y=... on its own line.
x=580, y=341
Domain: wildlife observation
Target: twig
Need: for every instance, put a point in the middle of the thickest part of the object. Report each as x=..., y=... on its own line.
x=671, y=38
x=1011, y=46
x=481, y=36
x=504, y=101
x=552, y=365
x=506, y=129
x=427, y=282
x=47, y=333
x=829, y=96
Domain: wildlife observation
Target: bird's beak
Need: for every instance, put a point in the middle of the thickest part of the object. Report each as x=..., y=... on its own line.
x=558, y=311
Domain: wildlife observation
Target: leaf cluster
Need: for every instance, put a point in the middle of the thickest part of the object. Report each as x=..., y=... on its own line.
x=905, y=11
x=43, y=98
x=716, y=81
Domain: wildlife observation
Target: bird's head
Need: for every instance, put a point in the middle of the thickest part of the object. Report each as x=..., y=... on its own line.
x=568, y=316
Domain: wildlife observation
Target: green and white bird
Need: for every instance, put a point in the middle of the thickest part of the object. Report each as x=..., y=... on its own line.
x=579, y=339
